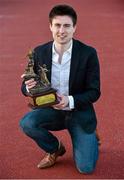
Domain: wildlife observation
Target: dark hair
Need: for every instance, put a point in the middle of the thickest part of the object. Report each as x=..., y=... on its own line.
x=61, y=10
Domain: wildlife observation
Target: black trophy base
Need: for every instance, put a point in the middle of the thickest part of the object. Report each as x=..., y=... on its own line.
x=44, y=99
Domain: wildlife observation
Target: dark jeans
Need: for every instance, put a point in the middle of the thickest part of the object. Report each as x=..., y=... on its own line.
x=37, y=123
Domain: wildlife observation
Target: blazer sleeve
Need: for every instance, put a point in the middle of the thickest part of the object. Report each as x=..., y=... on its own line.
x=91, y=92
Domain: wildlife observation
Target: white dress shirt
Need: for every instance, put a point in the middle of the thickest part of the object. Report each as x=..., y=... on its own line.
x=60, y=74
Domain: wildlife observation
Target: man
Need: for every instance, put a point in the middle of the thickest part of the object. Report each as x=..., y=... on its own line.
x=74, y=73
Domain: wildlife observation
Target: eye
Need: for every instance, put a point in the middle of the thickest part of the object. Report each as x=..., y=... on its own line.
x=57, y=25
x=67, y=25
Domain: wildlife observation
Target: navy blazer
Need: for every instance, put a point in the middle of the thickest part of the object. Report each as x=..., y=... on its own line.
x=84, y=79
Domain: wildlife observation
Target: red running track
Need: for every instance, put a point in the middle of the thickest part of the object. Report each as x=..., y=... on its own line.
x=24, y=24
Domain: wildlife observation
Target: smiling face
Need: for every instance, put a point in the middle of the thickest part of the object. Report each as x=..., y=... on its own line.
x=62, y=29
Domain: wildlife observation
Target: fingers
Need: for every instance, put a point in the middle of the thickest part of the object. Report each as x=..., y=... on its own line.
x=30, y=83
x=59, y=97
x=23, y=75
x=63, y=102
x=59, y=105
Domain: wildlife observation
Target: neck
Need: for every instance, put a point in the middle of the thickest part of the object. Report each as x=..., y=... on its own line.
x=61, y=48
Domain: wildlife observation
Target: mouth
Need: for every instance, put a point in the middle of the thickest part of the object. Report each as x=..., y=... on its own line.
x=61, y=36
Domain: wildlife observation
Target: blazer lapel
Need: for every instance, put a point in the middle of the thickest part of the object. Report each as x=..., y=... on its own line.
x=74, y=64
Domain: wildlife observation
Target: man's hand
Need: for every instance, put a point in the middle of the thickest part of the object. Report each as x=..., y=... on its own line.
x=63, y=102
x=29, y=83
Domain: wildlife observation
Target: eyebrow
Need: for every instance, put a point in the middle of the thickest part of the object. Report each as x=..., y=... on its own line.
x=63, y=24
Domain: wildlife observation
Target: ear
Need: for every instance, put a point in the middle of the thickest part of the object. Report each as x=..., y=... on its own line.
x=75, y=27
x=50, y=25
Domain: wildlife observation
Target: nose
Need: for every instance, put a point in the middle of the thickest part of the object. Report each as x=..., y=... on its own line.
x=61, y=30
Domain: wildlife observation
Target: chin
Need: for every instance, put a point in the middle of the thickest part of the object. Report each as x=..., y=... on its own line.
x=63, y=42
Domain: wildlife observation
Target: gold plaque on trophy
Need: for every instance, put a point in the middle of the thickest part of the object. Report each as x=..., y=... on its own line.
x=43, y=100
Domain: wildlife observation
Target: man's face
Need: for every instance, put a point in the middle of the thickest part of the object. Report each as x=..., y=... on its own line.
x=62, y=29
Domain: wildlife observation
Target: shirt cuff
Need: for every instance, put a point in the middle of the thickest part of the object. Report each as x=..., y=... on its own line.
x=71, y=102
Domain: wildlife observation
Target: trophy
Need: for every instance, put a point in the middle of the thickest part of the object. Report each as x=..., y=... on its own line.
x=42, y=94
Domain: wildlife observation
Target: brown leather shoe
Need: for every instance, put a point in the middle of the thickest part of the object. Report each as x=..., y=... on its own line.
x=50, y=159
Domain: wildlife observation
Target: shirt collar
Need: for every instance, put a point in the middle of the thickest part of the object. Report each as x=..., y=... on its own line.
x=69, y=50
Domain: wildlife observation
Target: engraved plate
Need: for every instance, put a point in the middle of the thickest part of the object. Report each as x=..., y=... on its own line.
x=49, y=98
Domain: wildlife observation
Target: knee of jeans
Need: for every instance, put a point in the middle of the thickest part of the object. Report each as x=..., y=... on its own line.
x=26, y=125
x=86, y=169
